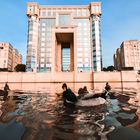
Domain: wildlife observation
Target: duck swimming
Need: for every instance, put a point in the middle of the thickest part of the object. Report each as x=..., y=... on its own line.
x=84, y=99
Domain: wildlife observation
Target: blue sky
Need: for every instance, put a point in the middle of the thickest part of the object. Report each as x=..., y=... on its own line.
x=120, y=21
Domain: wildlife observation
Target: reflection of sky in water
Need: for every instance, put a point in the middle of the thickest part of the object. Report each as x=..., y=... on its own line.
x=126, y=116
x=12, y=131
x=44, y=116
x=114, y=106
x=114, y=110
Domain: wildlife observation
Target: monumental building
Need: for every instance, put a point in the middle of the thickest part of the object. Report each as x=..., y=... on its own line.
x=64, y=38
x=9, y=56
x=128, y=55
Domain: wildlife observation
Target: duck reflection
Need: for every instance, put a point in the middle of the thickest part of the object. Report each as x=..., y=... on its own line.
x=65, y=126
x=8, y=107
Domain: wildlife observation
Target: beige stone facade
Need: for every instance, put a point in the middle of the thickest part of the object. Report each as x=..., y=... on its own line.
x=64, y=38
x=9, y=56
x=17, y=58
x=128, y=55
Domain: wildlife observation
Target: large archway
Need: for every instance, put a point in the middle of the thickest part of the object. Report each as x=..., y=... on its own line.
x=64, y=52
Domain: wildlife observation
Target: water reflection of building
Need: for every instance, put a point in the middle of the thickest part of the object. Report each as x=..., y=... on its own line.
x=128, y=55
x=64, y=38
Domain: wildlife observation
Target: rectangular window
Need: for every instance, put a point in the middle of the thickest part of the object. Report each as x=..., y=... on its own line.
x=80, y=65
x=80, y=54
x=86, y=65
x=86, y=60
x=64, y=19
x=48, y=49
x=86, y=49
x=42, y=65
x=80, y=60
x=48, y=65
x=43, y=29
x=86, y=54
x=79, y=49
x=42, y=59
x=42, y=54
x=42, y=39
x=43, y=13
x=30, y=37
x=42, y=44
x=43, y=24
x=42, y=49
x=43, y=34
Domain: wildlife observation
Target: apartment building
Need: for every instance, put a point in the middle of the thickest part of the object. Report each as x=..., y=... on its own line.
x=9, y=56
x=128, y=55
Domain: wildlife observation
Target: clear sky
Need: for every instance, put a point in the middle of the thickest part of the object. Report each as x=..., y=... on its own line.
x=120, y=21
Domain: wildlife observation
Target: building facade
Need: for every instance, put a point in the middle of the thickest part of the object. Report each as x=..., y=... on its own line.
x=17, y=58
x=9, y=56
x=115, y=60
x=128, y=55
x=64, y=38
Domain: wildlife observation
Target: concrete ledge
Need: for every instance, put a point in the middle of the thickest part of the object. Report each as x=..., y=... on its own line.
x=53, y=81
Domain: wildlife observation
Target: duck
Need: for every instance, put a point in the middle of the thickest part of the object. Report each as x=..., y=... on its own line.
x=89, y=100
x=5, y=92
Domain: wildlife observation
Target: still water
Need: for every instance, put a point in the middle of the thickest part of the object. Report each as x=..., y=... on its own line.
x=42, y=116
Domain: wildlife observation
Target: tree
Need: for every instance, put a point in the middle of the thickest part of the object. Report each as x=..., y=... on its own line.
x=3, y=69
x=20, y=68
x=104, y=69
x=110, y=68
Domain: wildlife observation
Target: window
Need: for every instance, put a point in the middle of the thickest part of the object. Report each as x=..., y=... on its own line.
x=43, y=29
x=50, y=22
x=42, y=54
x=64, y=19
x=43, y=34
x=86, y=49
x=79, y=24
x=86, y=65
x=42, y=65
x=80, y=60
x=86, y=60
x=42, y=49
x=79, y=49
x=43, y=24
x=80, y=54
x=42, y=59
x=85, y=29
x=43, y=13
x=48, y=13
x=86, y=54
x=80, y=65
x=42, y=39
x=48, y=65
x=49, y=50
x=30, y=37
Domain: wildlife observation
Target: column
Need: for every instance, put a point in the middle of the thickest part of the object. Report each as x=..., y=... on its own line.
x=32, y=44
x=96, y=41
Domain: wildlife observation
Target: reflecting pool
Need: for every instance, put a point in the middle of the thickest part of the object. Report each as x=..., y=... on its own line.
x=42, y=116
